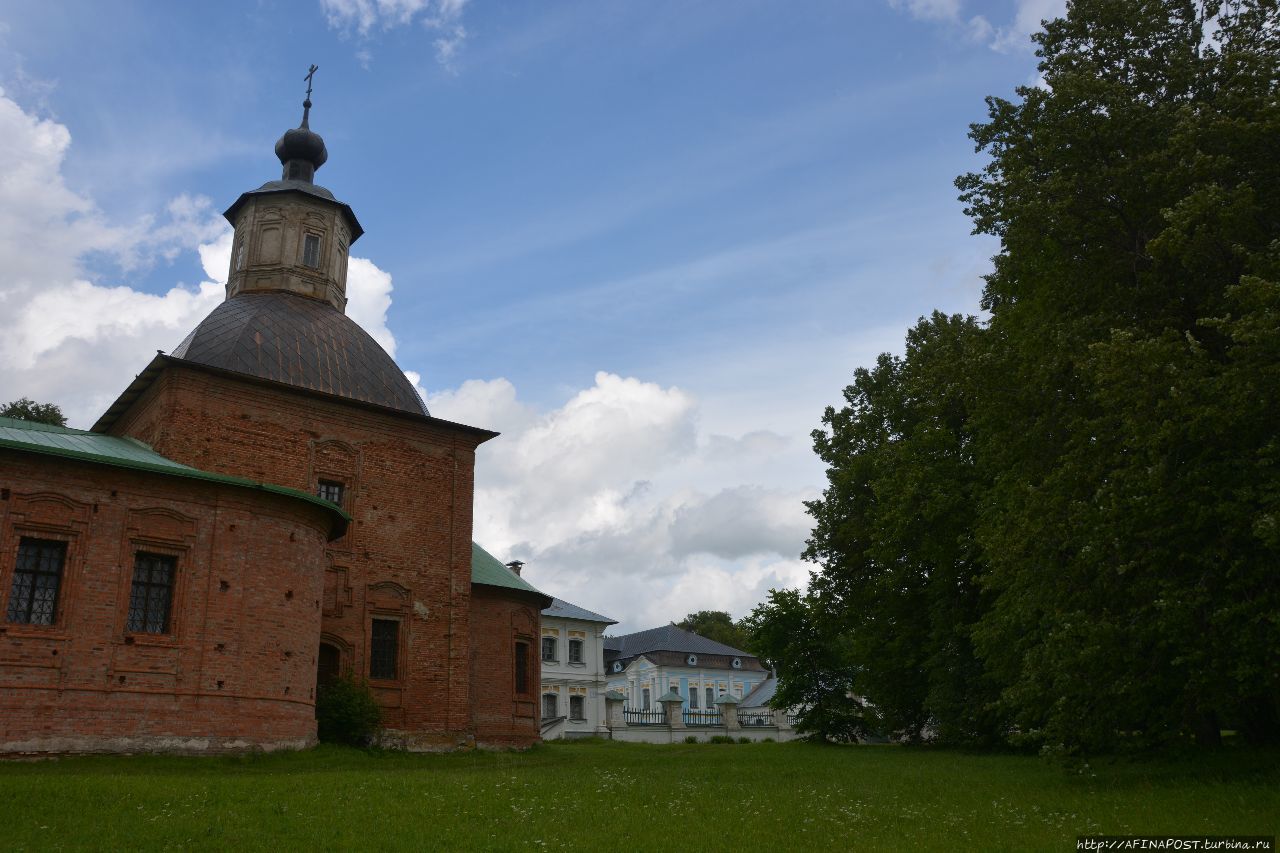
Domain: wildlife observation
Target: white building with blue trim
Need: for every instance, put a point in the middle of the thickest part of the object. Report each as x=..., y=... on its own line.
x=647, y=664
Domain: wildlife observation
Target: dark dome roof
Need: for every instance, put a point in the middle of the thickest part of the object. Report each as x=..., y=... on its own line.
x=302, y=143
x=301, y=342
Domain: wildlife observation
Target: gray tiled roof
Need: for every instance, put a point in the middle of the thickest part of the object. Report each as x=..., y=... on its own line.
x=565, y=610
x=668, y=638
x=302, y=342
x=761, y=693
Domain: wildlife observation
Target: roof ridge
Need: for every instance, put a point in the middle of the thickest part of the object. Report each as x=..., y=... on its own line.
x=36, y=426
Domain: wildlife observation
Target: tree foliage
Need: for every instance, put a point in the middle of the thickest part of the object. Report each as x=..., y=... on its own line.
x=813, y=663
x=26, y=409
x=1062, y=527
x=719, y=626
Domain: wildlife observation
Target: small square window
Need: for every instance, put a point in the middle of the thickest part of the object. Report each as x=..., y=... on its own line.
x=331, y=491
x=384, y=648
x=311, y=251
x=549, y=649
x=575, y=651
x=33, y=598
x=152, y=593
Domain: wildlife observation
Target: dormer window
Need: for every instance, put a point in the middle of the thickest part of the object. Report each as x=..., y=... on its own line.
x=311, y=251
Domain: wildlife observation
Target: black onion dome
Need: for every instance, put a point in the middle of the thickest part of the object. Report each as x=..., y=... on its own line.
x=302, y=143
x=301, y=342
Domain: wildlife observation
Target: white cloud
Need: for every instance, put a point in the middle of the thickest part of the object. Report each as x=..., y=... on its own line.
x=741, y=521
x=368, y=298
x=443, y=18
x=1014, y=35
x=72, y=340
x=929, y=10
x=596, y=496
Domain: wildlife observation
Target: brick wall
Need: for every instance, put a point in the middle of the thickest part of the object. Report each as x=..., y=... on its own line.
x=236, y=668
x=500, y=619
x=407, y=557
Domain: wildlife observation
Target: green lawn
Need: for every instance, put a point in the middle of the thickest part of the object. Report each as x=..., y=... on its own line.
x=624, y=797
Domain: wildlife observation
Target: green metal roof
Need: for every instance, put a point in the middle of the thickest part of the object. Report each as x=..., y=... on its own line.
x=488, y=570
x=123, y=452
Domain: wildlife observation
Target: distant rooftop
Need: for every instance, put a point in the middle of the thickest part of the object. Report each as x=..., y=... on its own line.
x=565, y=610
x=761, y=693
x=668, y=638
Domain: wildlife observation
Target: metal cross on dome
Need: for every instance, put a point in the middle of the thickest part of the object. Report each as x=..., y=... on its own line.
x=311, y=72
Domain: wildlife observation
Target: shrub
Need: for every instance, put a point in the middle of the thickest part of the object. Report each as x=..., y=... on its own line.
x=690, y=738
x=721, y=739
x=346, y=712
x=744, y=740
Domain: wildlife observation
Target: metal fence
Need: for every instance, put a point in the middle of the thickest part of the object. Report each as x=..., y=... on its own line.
x=703, y=718
x=755, y=718
x=640, y=717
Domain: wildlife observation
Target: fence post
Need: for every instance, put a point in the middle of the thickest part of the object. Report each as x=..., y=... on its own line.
x=728, y=706
x=672, y=705
x=613, y=717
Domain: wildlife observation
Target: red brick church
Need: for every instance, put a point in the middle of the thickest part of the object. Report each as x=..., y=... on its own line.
x=268, y=505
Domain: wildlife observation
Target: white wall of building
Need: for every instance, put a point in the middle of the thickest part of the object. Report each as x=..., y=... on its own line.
x=566, y=680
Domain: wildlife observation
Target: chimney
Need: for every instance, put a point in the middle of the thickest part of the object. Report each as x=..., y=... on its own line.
x=515, y=566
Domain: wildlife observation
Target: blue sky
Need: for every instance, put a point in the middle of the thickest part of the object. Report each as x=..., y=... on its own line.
x=661, y=234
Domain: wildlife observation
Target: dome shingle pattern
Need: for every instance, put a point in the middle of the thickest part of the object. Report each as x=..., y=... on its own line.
x=301, y=342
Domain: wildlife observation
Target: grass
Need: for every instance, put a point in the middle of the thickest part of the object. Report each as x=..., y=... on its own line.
x=612, y=796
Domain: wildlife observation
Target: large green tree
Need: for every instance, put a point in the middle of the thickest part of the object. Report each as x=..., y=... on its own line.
x=1063, y=526
x=1131, y=456
x=897, y=589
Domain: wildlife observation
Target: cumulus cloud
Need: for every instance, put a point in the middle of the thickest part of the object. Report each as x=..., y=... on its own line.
x=740, y=521
x=75, y=340
x=591, y=495
x=442, y=19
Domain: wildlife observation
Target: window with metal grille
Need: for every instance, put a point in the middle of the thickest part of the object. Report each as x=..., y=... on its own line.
x=575, y=651
x=693, y=698
x=384, y=647
x=330, y=490
x=576, y=708
x=152, y=593
x=522, y=667
x=311, y=251
x=711, y=698
x=33, y=598
x=549, y=705
x=549, y=649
